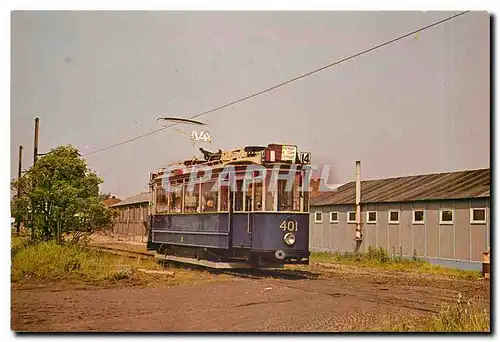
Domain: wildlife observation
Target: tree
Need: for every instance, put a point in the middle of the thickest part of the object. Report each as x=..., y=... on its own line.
x=103, y=196
x=60, y=197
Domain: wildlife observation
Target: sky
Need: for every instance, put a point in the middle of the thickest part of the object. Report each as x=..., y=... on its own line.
x=420, y=105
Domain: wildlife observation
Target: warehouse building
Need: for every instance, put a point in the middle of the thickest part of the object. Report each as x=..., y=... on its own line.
x=131, y=221
x=444, y=217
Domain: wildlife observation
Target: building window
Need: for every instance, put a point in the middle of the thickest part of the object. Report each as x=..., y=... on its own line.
x=393, y=216
x=351, y=217
x=334, y=217
x=446, y=216
x=318, y=217
x=418, y=216
x=371, y=217
x=478, y=215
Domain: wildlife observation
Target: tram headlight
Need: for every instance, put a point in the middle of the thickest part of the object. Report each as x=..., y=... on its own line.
x=289, y=238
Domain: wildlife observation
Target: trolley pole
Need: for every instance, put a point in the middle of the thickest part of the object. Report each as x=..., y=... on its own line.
x=18, y=218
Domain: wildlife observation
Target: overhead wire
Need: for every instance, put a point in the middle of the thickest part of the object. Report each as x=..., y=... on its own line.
x=286, y=82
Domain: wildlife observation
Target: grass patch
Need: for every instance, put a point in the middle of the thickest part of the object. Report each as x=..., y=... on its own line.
x=380, y=258
x=463, y=315
x=18, y=243
x=50, y=261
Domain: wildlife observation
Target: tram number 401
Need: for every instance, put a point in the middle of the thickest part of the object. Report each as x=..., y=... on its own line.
x=291, y=226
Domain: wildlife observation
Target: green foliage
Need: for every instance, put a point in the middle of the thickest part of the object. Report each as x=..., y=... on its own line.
x=18, y=243
x=60, y=197
x=380, y=258
x=50, y=261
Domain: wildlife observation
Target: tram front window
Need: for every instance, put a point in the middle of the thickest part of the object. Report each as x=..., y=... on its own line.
x=161, y=200
x=288, y=199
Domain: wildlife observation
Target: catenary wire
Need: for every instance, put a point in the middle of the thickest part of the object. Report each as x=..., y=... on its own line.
x=285, y=82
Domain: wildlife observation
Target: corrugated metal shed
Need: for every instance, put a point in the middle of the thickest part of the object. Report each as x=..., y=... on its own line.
x=449, y=185
x=143, y=197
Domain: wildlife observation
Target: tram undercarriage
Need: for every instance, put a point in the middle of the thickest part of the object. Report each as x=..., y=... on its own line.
x=237, y=258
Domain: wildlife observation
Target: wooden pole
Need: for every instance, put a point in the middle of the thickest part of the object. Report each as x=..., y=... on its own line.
x=35, y=147
x=18, y=218
x=35, y=158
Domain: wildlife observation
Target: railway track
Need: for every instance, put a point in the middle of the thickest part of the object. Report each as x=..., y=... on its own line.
x=243, y=273
x=123, y=252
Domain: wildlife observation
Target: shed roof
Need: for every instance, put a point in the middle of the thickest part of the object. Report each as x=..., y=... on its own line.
x=110, y=201
x=436, y=186
x=143, y=197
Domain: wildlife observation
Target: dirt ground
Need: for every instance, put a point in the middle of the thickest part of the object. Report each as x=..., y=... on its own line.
x=320, y=297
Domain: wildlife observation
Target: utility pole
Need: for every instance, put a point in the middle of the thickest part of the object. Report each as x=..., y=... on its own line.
x=358, y=199
x=35, y=148
x=18, y=218
x=359, y=233
x=35, y=157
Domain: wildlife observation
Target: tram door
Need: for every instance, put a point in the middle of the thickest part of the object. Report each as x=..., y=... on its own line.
x=241, y=216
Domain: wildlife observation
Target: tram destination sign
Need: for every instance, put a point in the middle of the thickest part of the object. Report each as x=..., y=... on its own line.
x=288, y=153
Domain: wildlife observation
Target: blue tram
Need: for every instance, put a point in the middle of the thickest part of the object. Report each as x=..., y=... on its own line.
x=243, y=208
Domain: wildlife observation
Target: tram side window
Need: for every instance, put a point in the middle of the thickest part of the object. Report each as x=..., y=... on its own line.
x=208, y=197
x=284, y=197
x=191, y=198
x=238, y=196
x=161, y=200
x=175, y=195
x=224, y=198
